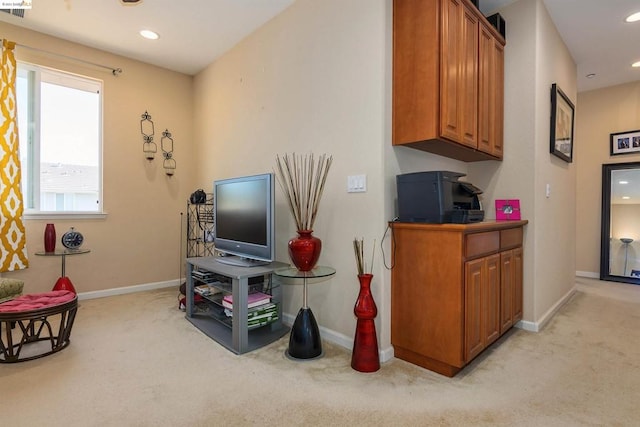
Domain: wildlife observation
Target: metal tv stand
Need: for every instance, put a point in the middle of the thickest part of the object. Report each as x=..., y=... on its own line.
x=233, y=332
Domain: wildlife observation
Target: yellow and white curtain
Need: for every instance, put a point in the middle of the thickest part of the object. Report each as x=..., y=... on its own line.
x=13, y=248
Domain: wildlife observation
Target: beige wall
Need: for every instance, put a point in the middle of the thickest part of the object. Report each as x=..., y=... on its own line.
x=310, y=80
x=138, y=242
x=599, y=113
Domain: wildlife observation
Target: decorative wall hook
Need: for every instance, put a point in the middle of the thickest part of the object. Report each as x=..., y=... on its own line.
x=146, y=128
x=166, y=143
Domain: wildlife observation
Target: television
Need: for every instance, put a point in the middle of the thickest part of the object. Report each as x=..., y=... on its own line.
x=244, y=219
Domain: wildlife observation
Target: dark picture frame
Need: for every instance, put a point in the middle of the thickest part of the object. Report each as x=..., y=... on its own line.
x=624, y=142
x=562, y=119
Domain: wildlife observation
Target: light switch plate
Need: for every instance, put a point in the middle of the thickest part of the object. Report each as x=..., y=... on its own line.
x=356, y=183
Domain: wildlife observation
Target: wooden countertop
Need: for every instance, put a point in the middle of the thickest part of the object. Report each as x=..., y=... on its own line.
x=466, y=228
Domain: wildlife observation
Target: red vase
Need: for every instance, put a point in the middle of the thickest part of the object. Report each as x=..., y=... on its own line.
x=364, y=357
x=49, y=238
x=304, y=250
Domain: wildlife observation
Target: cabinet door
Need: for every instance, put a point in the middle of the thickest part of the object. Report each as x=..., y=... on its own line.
x=459, y=74
x=507, y=277
x=491, y=93
x=517, y=285
x=482, y=298
x=491, y=300
x=473, y=335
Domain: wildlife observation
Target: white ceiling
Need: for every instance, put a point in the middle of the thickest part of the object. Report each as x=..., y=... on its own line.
x=193, y=33
x=596, y=35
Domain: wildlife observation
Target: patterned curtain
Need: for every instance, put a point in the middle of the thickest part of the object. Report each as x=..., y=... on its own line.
x=13, y=248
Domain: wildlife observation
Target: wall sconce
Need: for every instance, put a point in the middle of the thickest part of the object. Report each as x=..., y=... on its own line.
x=166, y=143
x=146, y=128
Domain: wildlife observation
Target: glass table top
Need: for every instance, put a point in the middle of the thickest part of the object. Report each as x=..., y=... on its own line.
x=294, y=273
x=61, y=252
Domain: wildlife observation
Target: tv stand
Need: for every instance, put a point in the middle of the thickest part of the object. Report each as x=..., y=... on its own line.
x=239, y=261
x=233, y=333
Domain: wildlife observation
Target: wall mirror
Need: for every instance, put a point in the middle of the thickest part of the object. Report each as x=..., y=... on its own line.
x=620, y=242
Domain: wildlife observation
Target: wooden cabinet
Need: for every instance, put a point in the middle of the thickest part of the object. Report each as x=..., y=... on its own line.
x=448, y=72
x=455, y=289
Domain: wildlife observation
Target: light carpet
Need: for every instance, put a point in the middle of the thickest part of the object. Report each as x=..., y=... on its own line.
x=135, y=361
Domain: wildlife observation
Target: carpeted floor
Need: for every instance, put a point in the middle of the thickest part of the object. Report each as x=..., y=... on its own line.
x=135, y=361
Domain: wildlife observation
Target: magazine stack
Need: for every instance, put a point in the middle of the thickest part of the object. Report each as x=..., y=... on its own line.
x=261, y=310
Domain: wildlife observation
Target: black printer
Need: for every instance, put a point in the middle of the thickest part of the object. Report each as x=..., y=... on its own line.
x=437, y=197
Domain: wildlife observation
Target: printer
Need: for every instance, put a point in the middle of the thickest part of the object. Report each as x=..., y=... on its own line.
x=437, y=197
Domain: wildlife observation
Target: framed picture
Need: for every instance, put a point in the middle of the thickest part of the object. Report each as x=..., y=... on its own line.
x=625, y=142
x=562, y=115
x=508, y=210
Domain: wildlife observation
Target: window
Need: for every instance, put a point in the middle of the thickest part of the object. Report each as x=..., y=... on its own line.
x=60, y=130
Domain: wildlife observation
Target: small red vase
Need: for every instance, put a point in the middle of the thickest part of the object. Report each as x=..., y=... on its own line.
x=304, y=250
x=364, y=357
x=49, y=238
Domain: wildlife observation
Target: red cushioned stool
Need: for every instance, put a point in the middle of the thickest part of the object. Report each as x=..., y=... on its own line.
x=38, y=316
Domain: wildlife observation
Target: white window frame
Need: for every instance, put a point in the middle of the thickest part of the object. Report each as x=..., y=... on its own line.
x=74, y=81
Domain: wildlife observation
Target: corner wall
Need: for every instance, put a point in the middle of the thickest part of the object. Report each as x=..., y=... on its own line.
x=312, y=80
x=535, y=58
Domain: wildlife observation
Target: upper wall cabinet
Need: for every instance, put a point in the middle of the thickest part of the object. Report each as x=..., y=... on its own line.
x=448, y=80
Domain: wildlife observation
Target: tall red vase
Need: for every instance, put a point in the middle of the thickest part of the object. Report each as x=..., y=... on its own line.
x=365, y=357
x=304, y=250
x=49, y=238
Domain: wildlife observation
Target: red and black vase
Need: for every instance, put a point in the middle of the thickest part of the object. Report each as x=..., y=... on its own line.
x=364, y=357
x=304, y=250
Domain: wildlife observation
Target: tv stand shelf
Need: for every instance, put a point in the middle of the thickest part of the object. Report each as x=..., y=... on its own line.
x=233, y=333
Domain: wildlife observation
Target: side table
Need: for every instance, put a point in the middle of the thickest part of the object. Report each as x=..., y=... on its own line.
x=64, y=283
x=304, y=340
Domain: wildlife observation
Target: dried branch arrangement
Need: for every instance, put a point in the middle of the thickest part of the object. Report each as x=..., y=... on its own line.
x=358, y=248
x=302, y=180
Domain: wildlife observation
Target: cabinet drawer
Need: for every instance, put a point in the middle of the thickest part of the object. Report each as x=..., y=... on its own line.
x=511, y=238
x=481, y=243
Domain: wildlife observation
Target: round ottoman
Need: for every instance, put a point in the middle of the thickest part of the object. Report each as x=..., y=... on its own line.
x=44, y=325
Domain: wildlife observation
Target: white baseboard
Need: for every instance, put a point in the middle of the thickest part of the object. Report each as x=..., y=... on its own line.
x=540, y=324
x=589, y=274
x=129, y=289
x=339, y=338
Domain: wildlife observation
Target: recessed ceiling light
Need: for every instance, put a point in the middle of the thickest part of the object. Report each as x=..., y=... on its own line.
x=623, y=182
x=625, y=197
x=591, y=75
x=636, y=64
x=148, y=34
x=633, y=18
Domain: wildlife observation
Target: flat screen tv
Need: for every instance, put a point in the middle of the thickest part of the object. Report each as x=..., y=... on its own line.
x=244, y=219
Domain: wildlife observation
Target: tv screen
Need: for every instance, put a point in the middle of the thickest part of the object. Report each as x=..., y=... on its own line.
x=244, y=219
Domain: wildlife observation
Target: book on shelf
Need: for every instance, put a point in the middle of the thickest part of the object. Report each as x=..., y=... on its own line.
x=253, y=300
x=261, y=322
x=206, y=290
x=266, y=310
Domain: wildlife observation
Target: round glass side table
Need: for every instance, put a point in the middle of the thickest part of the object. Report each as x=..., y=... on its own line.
x=304, y=340
x=64, y=283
